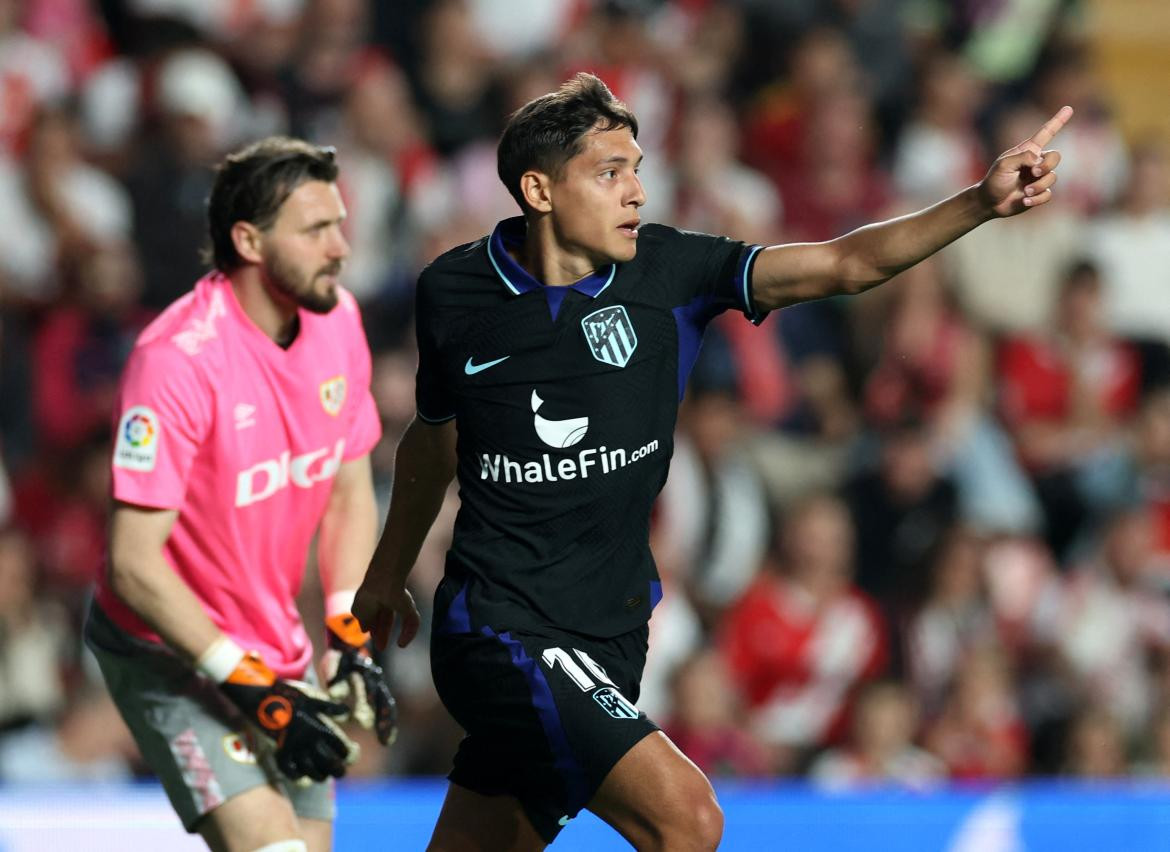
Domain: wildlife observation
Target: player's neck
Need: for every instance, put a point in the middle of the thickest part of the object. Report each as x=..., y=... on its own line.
x=276, y=317
x=548, y=261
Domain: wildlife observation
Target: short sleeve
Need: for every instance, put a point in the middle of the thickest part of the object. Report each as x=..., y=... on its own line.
x=432, y=395
x=715, y=272
x=365, y=427
x=164, y=412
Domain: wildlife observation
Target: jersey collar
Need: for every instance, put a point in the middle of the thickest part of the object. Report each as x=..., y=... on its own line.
x=510, y=233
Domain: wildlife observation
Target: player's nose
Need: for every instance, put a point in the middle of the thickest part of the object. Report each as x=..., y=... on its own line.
x=636, y=195
x=338, y=246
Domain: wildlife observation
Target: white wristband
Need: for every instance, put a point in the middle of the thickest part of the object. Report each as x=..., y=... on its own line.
x=339, y=602
x=220, y=659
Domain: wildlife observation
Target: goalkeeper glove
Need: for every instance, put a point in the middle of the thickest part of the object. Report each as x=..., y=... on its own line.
x=297, y=716
x=352, y=673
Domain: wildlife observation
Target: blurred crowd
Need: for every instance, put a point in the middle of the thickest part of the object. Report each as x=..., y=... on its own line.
x=917, y=535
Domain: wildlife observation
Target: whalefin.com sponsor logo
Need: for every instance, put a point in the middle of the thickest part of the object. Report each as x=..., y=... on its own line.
x=561, y=434
x=594, y=461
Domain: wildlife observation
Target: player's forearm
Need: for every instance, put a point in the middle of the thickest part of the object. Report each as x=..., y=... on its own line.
x=875, y=253
x=148, y=585
x=424, y=466
x=348, y=529
x=787, y=274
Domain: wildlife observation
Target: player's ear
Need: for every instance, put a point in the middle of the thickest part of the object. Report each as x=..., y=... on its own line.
x=535, y=188
x=246, y=239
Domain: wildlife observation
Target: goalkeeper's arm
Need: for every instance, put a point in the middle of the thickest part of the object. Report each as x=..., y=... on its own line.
x=145, y=582
x=294, y=715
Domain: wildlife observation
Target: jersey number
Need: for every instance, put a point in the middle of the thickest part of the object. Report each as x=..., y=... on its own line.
x=553, y=656
x=610, y=699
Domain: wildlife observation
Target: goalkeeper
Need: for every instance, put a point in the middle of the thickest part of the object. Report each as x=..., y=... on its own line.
x=244, y=426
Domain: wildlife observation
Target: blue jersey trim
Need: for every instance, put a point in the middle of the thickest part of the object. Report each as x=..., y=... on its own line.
x=691, y=321
x=744, y=285
x=511, y=233
x=458, y=617
x=550, y=719
x=556, y=298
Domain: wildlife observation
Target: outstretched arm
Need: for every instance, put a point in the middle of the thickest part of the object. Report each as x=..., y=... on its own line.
x=424, y=466
x=1020, y=178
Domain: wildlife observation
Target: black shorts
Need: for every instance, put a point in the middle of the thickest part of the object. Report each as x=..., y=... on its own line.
x=547, y=714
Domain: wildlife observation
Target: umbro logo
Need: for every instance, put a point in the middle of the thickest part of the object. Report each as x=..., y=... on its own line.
x=471, y=369
x=245, y=415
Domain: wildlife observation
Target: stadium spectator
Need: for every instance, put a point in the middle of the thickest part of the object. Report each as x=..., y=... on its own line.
x=953, y=619
x=1131, y=244
x=82, y=344
x=939, y=150
x=35, y=639
x=802, y=637
x=880, y=750
x=712, y=512
x=1116, y=623
x=1065, y=395
x=899, y=508
x=198, y=107
x=707, y=720
x=56, y=207
x=980, y=733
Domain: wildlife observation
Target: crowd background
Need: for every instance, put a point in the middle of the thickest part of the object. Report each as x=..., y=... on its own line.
x=918, y=535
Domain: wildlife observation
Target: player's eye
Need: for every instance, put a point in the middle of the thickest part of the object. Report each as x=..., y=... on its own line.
x=609, y=174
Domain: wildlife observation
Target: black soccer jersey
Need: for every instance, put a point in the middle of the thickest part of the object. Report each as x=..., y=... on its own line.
x=565, y=401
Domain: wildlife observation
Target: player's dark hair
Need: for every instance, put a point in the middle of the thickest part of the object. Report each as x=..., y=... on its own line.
x=547, y=132
x=252, y=183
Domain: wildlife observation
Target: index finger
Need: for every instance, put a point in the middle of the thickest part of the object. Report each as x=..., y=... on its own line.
x=1051, y=127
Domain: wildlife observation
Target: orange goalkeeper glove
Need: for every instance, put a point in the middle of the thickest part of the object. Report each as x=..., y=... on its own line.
x=297, y=716
x=353, y=676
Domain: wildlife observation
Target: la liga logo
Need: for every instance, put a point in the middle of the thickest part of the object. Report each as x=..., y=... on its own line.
x=138, y=431
x=138, y=437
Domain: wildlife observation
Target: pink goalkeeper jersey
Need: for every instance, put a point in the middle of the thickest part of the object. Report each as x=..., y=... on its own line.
x=244, y=439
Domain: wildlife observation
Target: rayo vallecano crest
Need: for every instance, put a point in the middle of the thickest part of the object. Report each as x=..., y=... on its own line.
x=333, y=394
x=610, y=335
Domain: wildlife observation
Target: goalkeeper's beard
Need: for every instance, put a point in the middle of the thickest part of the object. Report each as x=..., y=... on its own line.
x=295, y=286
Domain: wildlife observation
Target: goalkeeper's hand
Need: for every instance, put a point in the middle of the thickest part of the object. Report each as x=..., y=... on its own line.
x=353, y=676
x=297, y=716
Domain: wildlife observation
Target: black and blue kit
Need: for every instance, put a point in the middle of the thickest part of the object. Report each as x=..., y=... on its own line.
x=565, y=401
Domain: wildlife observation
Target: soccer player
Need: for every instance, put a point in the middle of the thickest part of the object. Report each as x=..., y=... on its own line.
x=552, y=357
x=245, y=425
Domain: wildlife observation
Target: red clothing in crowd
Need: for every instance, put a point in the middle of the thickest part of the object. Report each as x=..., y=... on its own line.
x=797, y=661
x=1036, y=377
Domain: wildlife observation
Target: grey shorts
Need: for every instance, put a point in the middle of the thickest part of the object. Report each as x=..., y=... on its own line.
x=195, y=740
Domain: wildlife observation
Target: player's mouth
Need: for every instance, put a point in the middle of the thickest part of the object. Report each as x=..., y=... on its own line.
x=630, y=228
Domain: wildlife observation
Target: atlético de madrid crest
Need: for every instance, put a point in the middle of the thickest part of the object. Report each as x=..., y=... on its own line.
x=610, y=335
x=333, y=394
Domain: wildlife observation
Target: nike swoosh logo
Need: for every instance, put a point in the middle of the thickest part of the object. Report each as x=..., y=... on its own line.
x=472, y=369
